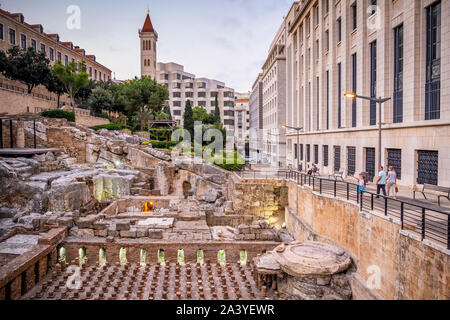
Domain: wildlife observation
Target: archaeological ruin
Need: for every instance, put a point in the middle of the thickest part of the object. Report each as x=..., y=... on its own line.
x=101, y=215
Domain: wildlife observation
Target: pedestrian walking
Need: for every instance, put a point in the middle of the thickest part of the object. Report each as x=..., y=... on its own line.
x=381, y=182
x=392, y=182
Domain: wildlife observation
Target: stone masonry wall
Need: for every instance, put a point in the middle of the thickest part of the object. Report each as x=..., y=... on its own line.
x=408, y=269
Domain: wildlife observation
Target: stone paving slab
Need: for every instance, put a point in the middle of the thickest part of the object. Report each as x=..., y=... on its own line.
x=157, y=223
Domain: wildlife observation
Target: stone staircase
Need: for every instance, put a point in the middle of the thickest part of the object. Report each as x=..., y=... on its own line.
x=142, y=187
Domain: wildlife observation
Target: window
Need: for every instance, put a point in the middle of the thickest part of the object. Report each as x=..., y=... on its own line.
x=427, y=167
x=339, y=29
x=354, y=73
x=325, y=156
x=95, y=74
x=189, y=94
x=100, y=75
x=176, y=94
x=23, y=41
x=337, y=158
x=373, y=3
x=370, y=162
x=373, y=82
x=177, y=103
x=328, y=99
x=90, y=72
x=12, y=36
x=177, y=112
x=43, y=48
x=354, y=16
x=339, y=98
x=351, y=161
x=316, y=154
x=395, y=160
x=2, y=36
x=398, y=75
x=327, y=6
x=202, y=94
x=433, y=63
x=301, y=152
x=34, y=44
x=327, y=40
x=52, y=54
x=308, y=153
x=66, y=62
x=317, y=103
x=295, y=151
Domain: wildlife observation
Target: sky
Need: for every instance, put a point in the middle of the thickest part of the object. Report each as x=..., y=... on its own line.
x=226, y=40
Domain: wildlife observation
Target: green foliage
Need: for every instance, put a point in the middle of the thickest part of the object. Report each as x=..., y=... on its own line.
x=111, y=127
x=199, y=114
x=26, y=66
x=216, y=111
x=163, y=144
x=188, y=118
x=144, y=97
x=54, y=85
x=73, y=77
x=167, y=111
x=59, y=114
x=100, y=99
x=231, y=161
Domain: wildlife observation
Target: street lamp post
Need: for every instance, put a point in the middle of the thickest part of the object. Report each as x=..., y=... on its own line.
x=380, y=102
x=298, y=142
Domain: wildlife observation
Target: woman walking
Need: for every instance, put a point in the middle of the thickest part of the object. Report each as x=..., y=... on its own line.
x=392, y=182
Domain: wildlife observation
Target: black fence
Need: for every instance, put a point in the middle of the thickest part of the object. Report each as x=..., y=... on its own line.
x=430, y=224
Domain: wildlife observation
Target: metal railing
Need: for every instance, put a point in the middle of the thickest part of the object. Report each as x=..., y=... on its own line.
x=428, y=223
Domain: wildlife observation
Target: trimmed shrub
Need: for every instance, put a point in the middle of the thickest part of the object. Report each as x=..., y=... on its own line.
x=59, y=114
x=163, y=144
x=111, y=127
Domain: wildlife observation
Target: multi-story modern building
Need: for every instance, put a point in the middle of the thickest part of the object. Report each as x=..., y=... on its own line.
x=15, y=32
x=256, y=120
x=201, y=92
x=274, y=100
x=396, y=49
x=241, y=116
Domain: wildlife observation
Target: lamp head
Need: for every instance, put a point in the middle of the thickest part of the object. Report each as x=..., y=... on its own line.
x=350, y=95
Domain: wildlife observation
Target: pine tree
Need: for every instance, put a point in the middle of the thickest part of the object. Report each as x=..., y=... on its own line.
x=188, y=118
x=166, y=110
x=217, y=111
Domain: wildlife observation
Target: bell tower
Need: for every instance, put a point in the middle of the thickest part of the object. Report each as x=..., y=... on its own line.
x=148, y=38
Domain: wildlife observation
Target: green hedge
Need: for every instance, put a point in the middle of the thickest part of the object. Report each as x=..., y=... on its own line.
x=59, y=114
x=112, y=127
x=163, y=144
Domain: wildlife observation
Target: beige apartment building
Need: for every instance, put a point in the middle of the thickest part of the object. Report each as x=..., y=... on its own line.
x=202, y=92
x=390, y=49
x=256, y=120
x=241, y=116
x=14, y=31
x=274, y=100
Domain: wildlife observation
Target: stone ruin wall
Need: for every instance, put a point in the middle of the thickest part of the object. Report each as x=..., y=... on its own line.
x=28, y=269
x=210, y=250
x=262, y=198
x=410, y=269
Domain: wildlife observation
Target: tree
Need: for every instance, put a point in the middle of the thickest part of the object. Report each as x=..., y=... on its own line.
x=99, y=100
x=54, y=85
x=26, y=66
x=188, y=118
x=73, y=77
x=200, y=114
x=144, y=98
x=167, y=111
x=216, y=110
